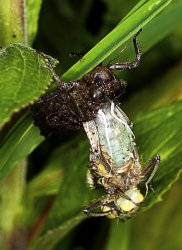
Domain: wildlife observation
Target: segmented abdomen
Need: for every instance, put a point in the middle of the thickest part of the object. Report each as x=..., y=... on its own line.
x=115, y=138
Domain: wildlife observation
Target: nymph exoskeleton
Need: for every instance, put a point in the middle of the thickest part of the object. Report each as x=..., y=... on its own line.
x=114, y=164
x=79, y=101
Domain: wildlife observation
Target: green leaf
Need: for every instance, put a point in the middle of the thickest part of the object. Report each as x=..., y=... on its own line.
x=24, y=77
x=18, y=144
x=117, y=230
x=47, y=183
x=115, y=38
x=167, y=21
x=49, y=240
x=10, y=207
x=50, y=178
x=74, y=164
x=159, y=132
x=72, y=192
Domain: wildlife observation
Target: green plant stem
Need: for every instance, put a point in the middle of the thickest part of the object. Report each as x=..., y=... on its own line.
x=12, y=22
x=13, y=30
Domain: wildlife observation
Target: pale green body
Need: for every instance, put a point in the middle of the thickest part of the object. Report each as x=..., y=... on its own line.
x=110, y=135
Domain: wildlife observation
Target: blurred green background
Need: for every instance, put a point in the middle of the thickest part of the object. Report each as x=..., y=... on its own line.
x=56, y=169
x=80, y=25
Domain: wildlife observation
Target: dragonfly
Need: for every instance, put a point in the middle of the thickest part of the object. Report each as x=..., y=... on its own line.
x=115, y=165
x=91, y=105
